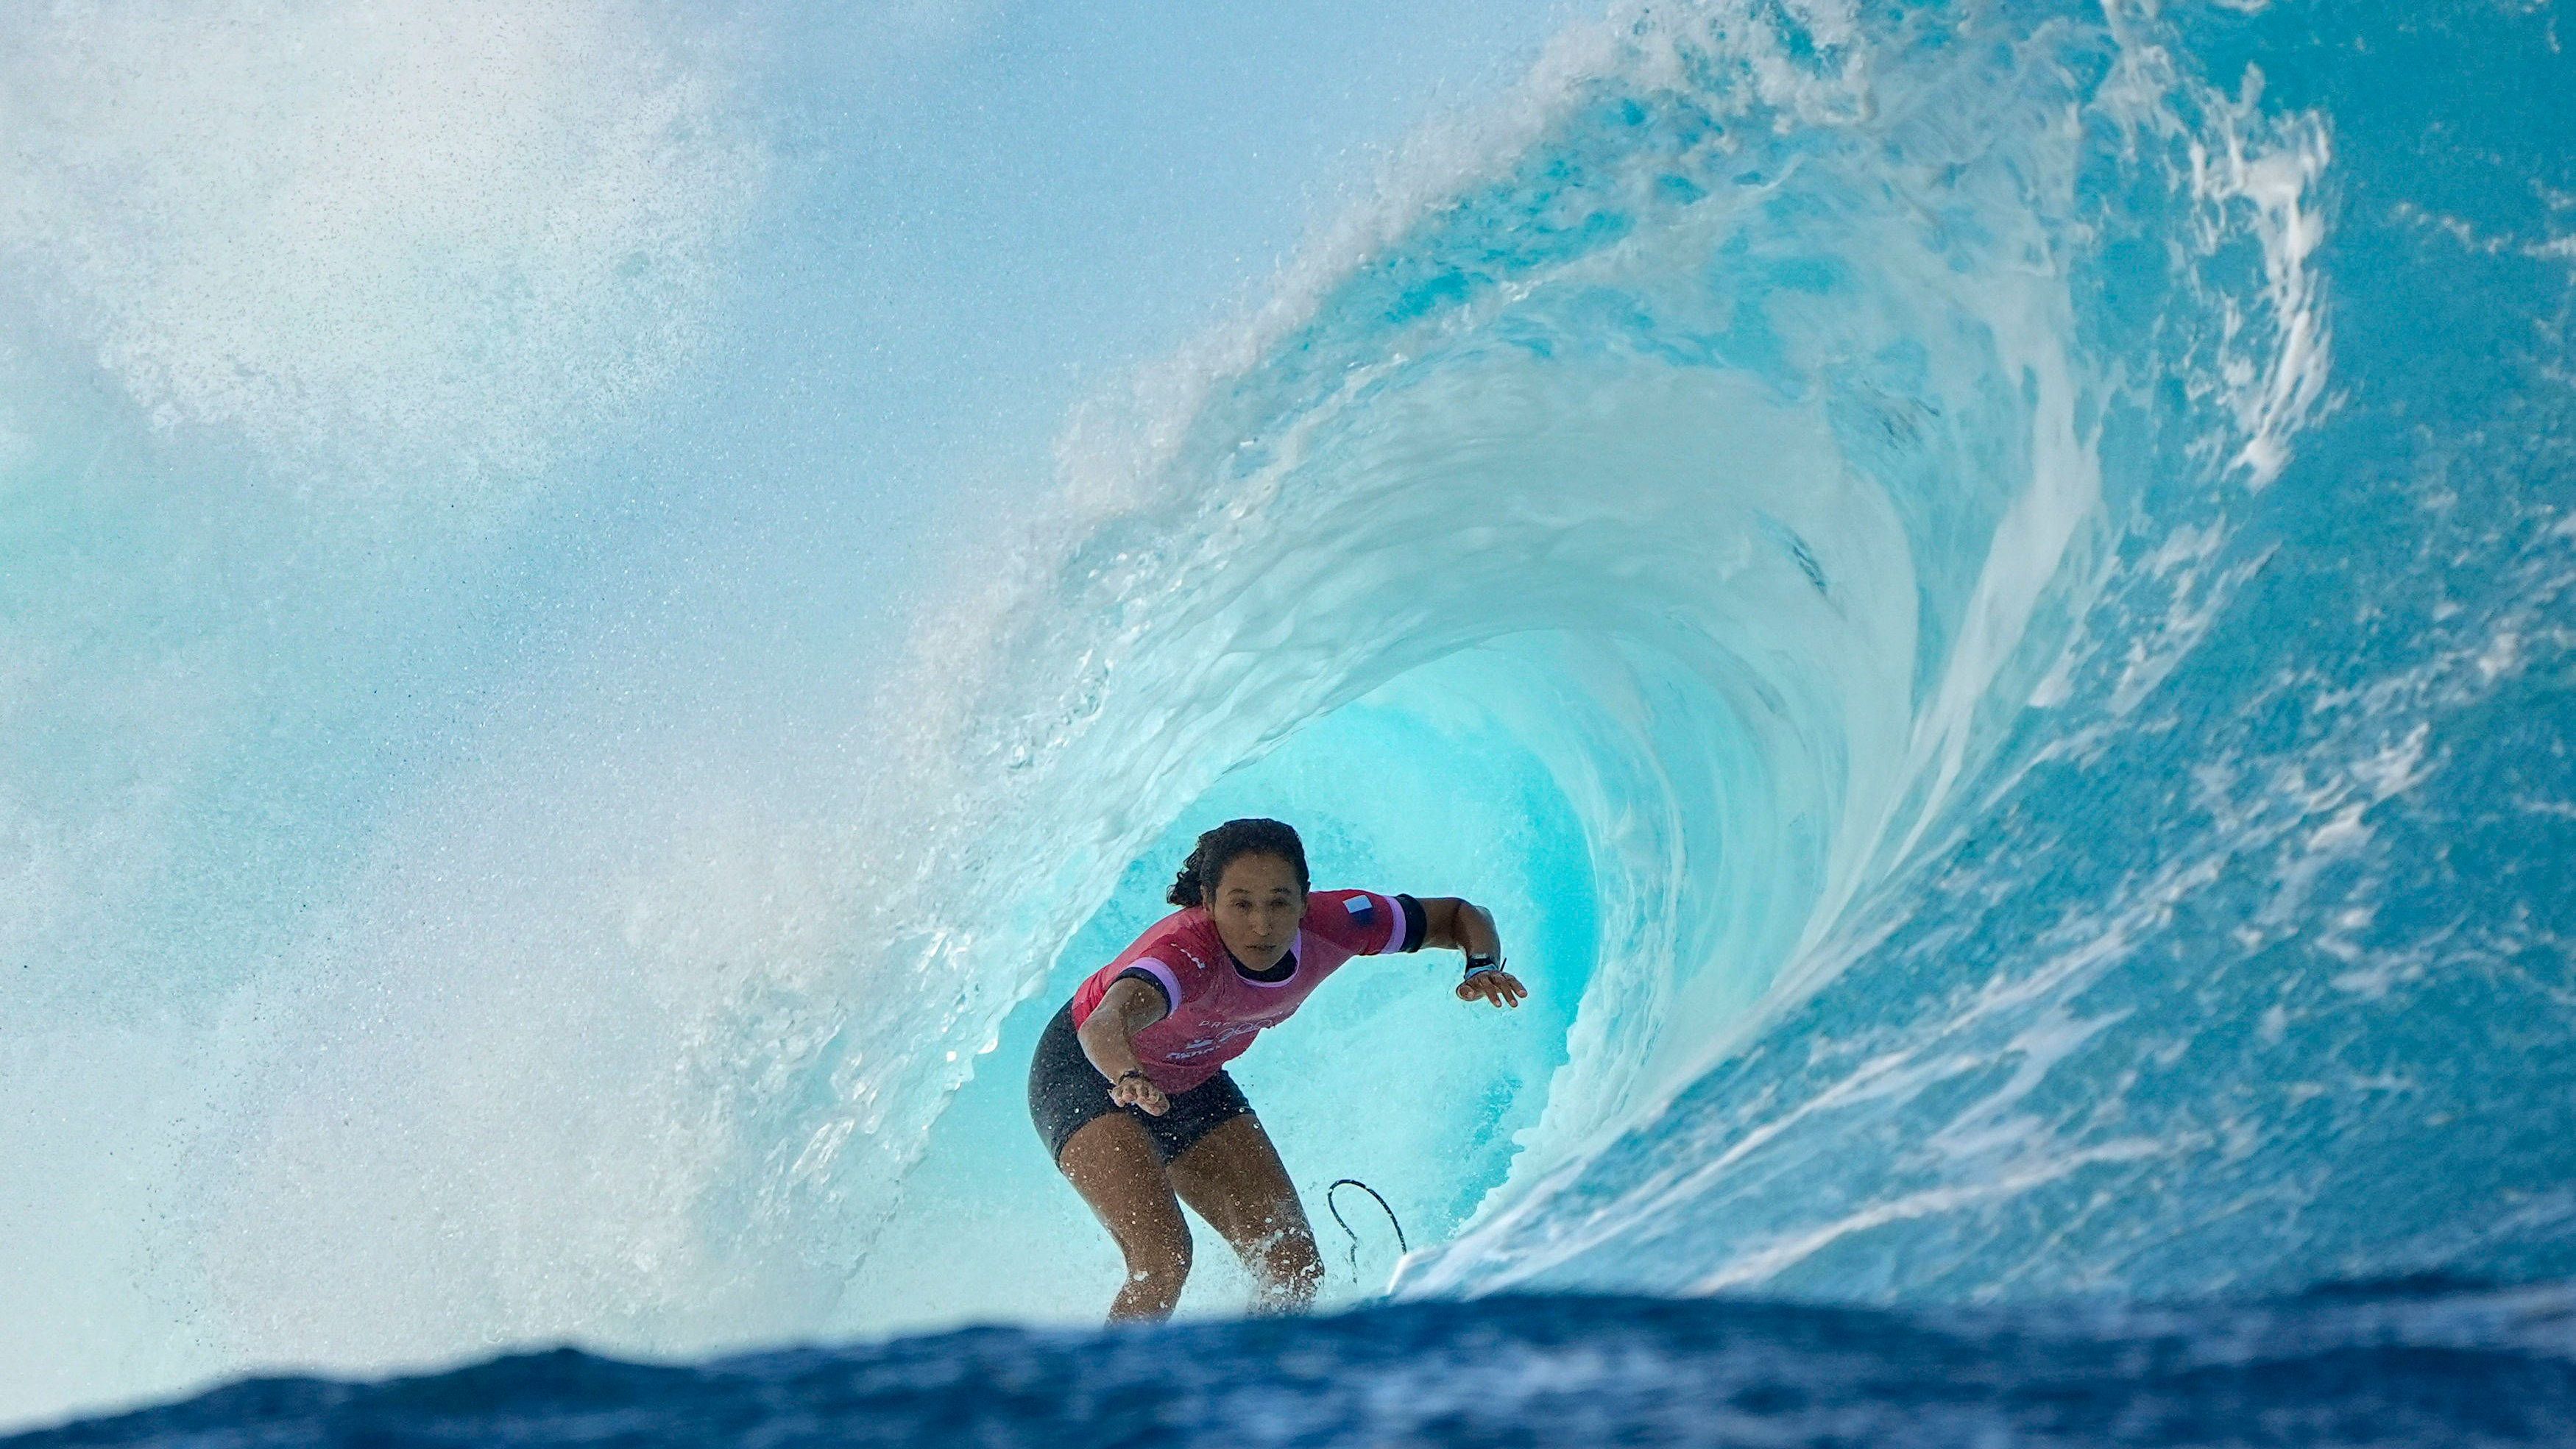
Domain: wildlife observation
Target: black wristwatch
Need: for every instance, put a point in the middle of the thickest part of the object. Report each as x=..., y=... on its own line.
x=1478, y=965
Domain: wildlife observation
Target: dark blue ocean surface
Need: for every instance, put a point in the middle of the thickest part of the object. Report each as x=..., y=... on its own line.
x=2401, y=1365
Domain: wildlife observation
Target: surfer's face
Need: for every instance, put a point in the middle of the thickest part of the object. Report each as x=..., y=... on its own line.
x=1257, y=907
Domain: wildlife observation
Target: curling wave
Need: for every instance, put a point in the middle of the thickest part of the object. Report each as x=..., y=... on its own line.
x=1681, y=527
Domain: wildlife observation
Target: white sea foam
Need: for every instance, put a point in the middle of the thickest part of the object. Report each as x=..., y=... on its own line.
x=431, y=241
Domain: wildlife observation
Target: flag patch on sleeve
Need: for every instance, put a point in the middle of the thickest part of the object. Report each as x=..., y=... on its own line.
x=1360, y=907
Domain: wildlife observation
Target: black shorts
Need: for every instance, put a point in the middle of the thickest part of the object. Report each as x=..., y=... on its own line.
x=1067, y=1091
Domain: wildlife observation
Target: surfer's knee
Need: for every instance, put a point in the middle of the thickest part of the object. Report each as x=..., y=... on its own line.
x=1156, y=1269
x=1159, y=1259
x=1291, y=1269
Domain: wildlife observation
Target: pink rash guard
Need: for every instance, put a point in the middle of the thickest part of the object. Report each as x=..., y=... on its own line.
x=1217, y=1006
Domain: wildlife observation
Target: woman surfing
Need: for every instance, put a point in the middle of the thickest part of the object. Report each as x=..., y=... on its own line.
x=1129, y=1088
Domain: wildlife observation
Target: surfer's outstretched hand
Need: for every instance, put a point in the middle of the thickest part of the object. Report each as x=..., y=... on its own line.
x=1501, y=988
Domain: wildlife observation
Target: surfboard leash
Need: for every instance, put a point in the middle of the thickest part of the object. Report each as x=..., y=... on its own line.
x=1401, y=1246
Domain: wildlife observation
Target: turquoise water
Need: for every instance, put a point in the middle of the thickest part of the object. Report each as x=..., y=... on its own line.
x=1981, y=589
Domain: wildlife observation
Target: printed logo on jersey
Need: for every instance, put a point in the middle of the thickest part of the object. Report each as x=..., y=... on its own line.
x=1231, y=1032
x=1361, y=908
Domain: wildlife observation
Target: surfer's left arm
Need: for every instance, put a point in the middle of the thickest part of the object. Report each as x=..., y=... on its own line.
x=1451, y=924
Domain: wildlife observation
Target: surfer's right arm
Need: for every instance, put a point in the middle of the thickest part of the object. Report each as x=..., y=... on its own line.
x=1129, y=1007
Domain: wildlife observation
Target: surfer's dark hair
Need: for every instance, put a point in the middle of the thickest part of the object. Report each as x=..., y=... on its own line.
x=1228, y=843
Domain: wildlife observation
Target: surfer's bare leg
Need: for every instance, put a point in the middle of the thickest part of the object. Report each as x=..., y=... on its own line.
x=1233, y=1178
x=1111, y=1162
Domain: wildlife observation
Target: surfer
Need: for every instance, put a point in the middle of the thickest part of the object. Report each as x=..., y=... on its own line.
x=1128, y=1087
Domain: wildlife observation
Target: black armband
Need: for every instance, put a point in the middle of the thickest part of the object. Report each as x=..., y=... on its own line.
x=1416, y=924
